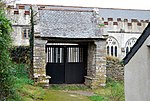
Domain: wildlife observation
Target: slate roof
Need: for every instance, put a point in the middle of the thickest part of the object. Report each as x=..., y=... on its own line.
x=137, y=45
x=124, y=13
x=113, y=12
x=66, y=23
x=79, y=22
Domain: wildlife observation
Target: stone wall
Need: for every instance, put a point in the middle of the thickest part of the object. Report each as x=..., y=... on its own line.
x=114, y=69
x=96, y=69
x=39, y=64
x=101, y=62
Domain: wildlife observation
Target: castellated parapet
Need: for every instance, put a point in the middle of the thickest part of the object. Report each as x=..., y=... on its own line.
x=19, y=15
x=125, y=25
x=20, y=19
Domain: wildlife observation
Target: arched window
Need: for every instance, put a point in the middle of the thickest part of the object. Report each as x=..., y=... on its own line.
x=107, y=50
x=116, y=51
x=129, y=44
x=127, y=50
x=112, y=47
x=112, y=51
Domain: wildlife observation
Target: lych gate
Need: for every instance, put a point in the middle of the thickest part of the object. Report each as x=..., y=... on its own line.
x=70, y=48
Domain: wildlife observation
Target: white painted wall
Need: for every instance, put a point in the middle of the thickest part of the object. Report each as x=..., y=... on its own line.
x=122, y=38
x=137, y=75
x=19, y=21
x=17, y=38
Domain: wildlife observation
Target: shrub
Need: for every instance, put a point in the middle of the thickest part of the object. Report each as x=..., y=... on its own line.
x=7, y=89
x=21, y=74
x=20, y=54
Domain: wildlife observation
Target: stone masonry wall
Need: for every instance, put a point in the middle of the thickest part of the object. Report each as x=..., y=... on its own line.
x=96, y=69
x=114, y=69
x=91, y=63
x=100, y=63
x=40, y=63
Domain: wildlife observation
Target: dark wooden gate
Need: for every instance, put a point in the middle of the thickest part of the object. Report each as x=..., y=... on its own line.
x=66, y=64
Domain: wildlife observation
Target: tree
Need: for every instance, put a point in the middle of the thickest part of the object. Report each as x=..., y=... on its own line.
x=6, y=76
x=7, y=89
x=32, y=22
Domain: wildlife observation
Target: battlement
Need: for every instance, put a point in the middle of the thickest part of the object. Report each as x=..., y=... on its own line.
x=19, y=15
x=125, y=25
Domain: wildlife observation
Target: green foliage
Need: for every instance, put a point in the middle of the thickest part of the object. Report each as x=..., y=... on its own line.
x=117, y=90
x=101, y=25
x=31, y=40
x=21, y=80
x=113, y=91
x=98, y=98
x=20, y=54
x=21, y=75
x=6, y=75
x=24, y=85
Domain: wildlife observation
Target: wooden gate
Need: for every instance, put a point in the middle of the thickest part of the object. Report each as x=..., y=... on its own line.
x=66, y=64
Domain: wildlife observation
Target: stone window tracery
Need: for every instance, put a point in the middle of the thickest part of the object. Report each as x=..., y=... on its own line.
x=129, y=44
x=112, y=47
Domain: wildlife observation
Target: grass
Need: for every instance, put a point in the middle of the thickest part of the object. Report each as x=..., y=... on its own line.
x=29, y=92
x=24, y=86
x=57, y=95
x=98, y=98
x=113, y=91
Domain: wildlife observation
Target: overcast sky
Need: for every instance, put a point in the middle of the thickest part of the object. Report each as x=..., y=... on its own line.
x=125, y=4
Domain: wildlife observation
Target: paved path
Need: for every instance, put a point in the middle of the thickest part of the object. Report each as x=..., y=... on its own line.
x=84, y=93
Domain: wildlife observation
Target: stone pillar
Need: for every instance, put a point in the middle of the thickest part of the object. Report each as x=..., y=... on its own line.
x=100, y=63
x=39, y=63
x=96, y=69
x=90, y=65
